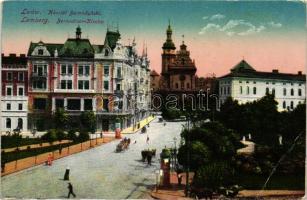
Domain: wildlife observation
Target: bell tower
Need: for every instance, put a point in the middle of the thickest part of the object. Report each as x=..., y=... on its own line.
x=169, y=53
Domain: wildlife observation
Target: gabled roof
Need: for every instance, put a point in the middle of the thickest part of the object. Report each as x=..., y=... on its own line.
x=50, y=47
x=74, y=47
x=243, y=69
x=242, y=66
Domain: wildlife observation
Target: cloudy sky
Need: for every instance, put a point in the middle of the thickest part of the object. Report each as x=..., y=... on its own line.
x=269, y=35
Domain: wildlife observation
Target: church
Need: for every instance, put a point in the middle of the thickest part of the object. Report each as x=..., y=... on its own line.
x=178, y=69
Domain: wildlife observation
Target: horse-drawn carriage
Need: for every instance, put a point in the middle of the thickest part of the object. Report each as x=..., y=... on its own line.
x=147, y=154
x=123, y=145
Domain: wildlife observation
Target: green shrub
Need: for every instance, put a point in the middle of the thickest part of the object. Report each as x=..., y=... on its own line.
x=60, y=134
x=83, y=136
x=72, y=135
x=50, y=136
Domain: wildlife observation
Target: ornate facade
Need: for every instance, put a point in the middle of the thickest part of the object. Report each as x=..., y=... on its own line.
x=111, y=80
x=178, y=69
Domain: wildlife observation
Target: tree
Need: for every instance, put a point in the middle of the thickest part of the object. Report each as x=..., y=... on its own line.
x=60, y=119
x=88, y=121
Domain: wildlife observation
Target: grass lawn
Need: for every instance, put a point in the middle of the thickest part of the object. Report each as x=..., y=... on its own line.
x=256, y=182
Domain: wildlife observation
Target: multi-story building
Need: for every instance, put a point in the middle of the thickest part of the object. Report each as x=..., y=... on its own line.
x=245, y=84
x=154, y=80
x=80, y=76
x=14, y=93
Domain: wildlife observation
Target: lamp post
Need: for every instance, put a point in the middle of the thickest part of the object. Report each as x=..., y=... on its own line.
x=188, y=157
x=175, y=152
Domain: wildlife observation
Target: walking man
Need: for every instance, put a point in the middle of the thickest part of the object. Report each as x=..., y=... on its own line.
x=147, y=140
x=70, y=190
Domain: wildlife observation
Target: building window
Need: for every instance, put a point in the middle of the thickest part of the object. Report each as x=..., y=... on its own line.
x=106, y=85
x=73, y=104
x=84, y=70
x=106, y=71
x=40, y=52
x=20, y=91
x=9, y=76
x=292, y=92
x=176, y=85
x=255, y=90
x=284, y=83
x=291, y=105
x=59, y=103
x=88, y=104
x=39, y=84
x=188, y=85
x=20, y=106
x=66, y=69
x=254, y=82
x=66, y=84
x=20, y=76
x=118, y=86
x=20, y=123
x=106, y=52
x=83, y=85
x=40, y=103
x=247, y=81
x=8, y=106
x=8, y=123
x=9, y=91
x=267, y=83
x=299, y=92
x=241, y=90
x=273, y=83
x=273, y=91
x=240, y=81
x=284, y=105
x=106, y=104
x=267, y=91
x=285, y=91
x=247, y=90
x=228, y=90
x=182, y=85
x=40, y=70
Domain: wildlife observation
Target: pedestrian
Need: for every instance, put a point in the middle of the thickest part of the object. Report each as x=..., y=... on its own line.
x=147, y=140
x=70, y=190
x=66, y=175
x=135, y=142
x=149, y=157
x=179, y=179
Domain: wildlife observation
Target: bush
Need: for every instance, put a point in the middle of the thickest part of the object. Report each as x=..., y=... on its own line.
x=72, y=135
x=83, y=136
x=60, y=135
x=50, y=136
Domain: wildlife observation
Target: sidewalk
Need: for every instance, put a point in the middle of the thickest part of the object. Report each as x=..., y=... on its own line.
x=142, y=123
x=175, y=192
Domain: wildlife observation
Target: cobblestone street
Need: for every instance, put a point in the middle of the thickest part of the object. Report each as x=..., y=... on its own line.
x=97, y=173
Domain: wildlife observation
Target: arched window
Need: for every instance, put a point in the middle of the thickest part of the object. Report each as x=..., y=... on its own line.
x=255, y=90
x=299, y=92
x=285, y=91
x=247, y=90
x=241, y=90
x=291, y=105
x=8, y=123
x=20, y=123
x=292, y=92
x=267, y=91
x=284, y=105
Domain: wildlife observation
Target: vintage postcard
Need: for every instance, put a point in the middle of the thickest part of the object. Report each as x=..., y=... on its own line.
x=153, y=99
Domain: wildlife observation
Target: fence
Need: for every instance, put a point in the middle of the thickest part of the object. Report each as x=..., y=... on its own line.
x=25, y=163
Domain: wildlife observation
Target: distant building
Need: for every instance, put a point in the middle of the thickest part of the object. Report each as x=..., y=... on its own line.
x=14, y=93
x=178, y=69
x=207, y=84
x=154, y=80
x=245, y=84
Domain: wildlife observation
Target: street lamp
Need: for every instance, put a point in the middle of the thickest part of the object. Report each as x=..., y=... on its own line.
x=175, y=152
x=188, y=157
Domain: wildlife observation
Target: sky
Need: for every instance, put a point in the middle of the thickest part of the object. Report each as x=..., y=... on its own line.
x=219, y=34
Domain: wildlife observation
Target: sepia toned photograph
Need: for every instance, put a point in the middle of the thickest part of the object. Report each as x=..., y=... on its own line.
x=165, y=100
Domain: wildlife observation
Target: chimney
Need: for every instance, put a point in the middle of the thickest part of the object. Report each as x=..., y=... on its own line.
x=299, y=72
x=13, y=55
x=275, y=71
x=22, y=55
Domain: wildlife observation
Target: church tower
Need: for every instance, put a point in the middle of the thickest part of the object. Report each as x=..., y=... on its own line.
x=169, y=53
